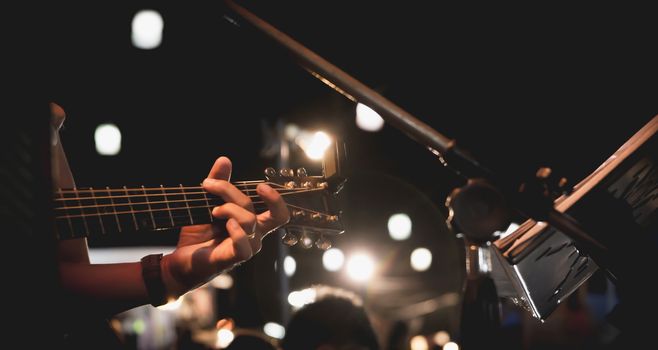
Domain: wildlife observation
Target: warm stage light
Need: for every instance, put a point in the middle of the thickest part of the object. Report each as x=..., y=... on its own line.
x=223, y=281
x=421, y=259
x=360, y=267
x=333, y=259
x=108, y=139
x=367, y=119
x=314, y=145
x=274, y=330
x=289, y=265
x=172, y=305
x=399, y=226
x=451, y=346
x=441, y=338
x=224, y=338
x=419, y=343
x=300, y=298
x=147, y=29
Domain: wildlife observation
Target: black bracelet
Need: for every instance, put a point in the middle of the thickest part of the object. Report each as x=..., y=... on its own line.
x=153, y=279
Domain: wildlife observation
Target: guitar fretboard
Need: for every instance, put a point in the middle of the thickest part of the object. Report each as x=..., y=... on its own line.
x=82, y=212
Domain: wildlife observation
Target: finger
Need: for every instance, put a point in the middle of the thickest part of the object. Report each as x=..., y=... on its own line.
x=228, y=192
x=221, y=169
x=241, y=247
x=245, y=218
x=278, y=213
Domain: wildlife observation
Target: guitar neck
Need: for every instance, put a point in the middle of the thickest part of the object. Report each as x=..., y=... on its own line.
x=81, y=212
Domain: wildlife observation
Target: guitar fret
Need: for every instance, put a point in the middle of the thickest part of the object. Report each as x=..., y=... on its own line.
x=90, y=210
x=168, y=208
x=149, y=206
x=187, y=205
x=84, y=219
x=98, y=212
x=114, y=208
x=132, y=211
x=205, y=196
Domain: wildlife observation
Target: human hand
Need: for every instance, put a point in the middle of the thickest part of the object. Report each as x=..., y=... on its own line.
x=204, y=251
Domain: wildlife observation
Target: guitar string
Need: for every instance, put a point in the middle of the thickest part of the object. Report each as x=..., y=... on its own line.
x=90, y=189
x=160, y=194
x=84, y=215
x=66, y=207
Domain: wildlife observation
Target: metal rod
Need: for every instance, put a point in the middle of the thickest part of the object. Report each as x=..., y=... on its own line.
x=350, y=87
x=437, y=143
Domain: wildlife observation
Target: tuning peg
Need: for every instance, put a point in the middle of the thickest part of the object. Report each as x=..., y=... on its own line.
x=297, y=213
x=290, y=184
x=323, y=243
x=332, y=218
x=306, y=241
x=290, y=239
x=286, y=172
x=307, y=184
x=316, y=216
x=301, y=172
x=270, y=172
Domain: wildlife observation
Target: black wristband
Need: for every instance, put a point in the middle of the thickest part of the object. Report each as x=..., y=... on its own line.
x=153, y=279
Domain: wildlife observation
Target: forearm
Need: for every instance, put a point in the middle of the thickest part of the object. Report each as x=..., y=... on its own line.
x=105, y=289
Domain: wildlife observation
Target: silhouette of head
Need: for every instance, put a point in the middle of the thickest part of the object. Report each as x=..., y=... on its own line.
x=249, y=341
x=335, y=320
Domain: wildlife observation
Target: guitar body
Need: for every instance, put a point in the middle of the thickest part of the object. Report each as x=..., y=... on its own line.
x=78, y=328
x=32, y=309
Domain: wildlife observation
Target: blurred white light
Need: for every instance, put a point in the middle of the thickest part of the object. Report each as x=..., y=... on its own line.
x=451, y=346
x=314, y=145
x=333, y=259
x=108, y=139
x=399, y=226
x=223, y=281
x=302, y=297
x=289, y=265
x=510, y=229
x=441, y=338
x=421, y=259
x=367, y=119
x=360, y=267
x=147, y=29
x=224, y=338
x=291, y=131
x=419, y=343
x=274, y=330
x=172, y=305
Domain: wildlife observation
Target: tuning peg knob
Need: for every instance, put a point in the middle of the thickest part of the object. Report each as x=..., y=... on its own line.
x=286, y=172
x=297, y=213
x=307, y=184
x=301, y=172
x=270, y=172
x=290, y=184
x=323, y=243
x=290, y=239
x=316, y=216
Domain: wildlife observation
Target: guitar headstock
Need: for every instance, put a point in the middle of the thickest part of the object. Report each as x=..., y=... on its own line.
x=314, y=217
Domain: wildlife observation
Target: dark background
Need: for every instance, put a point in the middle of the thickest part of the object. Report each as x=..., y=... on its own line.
x=518, y=88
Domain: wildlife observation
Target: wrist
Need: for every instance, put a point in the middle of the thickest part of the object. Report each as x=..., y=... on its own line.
x=173, y=288
x=152, y=278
